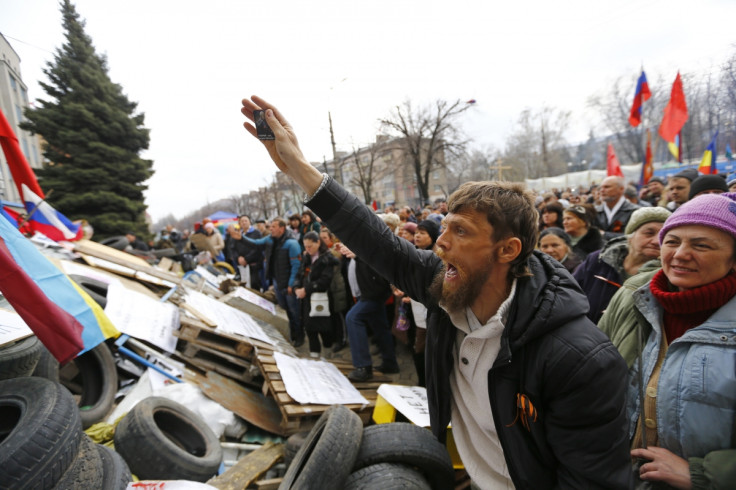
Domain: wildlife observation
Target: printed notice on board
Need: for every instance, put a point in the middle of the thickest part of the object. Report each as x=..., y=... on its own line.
x=317, y=382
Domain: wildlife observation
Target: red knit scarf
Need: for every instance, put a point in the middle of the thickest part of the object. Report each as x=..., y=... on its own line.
x=684, y=310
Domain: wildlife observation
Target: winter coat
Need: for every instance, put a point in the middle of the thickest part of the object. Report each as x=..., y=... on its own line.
x=283, y=257
x=316, y=277
x=253, y=254
x=618, y=221
x=589, y=243
x=608, y=263
x=549, y=351
x=696, y=398
x=339, y=288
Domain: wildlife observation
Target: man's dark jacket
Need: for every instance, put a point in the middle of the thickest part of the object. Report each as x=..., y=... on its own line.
x=550, y=352
x=372, y=286
x=618, y=222
x=253, y=254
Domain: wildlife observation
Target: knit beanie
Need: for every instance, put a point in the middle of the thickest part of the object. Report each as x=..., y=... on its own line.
x=410, y=227
x=431, y=227
x=642, y=216
x=731, y=180
x=707, y=183
x=713, y=210
x=689, y=174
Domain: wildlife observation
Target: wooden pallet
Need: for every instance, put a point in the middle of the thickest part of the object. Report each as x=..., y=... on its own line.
x=232, y=366
x=196, y=331
x=299, y=417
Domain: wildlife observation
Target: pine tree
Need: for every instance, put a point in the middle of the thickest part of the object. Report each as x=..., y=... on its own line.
x=93, y=138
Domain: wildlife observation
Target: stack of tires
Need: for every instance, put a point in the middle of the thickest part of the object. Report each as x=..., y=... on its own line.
x=42, y=444
x=339, y=454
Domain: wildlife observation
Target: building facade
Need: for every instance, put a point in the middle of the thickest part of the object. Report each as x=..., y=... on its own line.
x=391, y=174
x=13, y=101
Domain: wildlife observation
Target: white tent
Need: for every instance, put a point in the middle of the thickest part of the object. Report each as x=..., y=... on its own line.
x=584, y=178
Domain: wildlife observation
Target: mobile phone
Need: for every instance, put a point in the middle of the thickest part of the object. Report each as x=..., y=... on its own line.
x=263, y=130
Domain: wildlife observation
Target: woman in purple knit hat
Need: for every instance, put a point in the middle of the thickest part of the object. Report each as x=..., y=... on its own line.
x=676, y=329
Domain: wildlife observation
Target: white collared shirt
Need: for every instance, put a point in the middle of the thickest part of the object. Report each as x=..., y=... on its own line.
x=473, y=429
x=611, y=212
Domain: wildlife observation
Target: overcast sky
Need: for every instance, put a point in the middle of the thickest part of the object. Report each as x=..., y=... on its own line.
x=189, y=63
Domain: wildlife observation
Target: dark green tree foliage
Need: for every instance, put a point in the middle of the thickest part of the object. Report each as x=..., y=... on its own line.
x=93, y=138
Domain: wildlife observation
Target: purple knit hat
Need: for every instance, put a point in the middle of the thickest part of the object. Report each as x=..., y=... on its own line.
x=713, y=210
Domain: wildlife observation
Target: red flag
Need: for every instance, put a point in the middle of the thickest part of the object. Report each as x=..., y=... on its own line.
x=17, y=163
x=675, y=113
x=642, y=94
x=648, y=166
x=375, y=205
x=613, y=167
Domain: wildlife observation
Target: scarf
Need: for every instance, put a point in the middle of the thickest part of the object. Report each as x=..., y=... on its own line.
x=684, y=310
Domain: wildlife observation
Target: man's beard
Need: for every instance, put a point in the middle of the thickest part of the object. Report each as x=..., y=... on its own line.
x=468, y=288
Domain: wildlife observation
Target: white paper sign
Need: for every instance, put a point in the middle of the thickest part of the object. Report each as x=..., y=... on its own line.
x=12, y=327
x=316, y=382
x=227, y=318
x=142, y=317
x=252, y=297
x=410, y=401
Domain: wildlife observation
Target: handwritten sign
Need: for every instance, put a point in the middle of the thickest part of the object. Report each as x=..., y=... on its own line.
x=317, y=382
x=142, y=317
x=410, y=401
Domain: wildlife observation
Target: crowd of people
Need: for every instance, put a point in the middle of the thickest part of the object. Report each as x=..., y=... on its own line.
x=652, y=268
x=578, y=338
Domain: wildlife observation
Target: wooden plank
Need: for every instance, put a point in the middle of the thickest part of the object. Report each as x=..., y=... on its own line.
x=270, y=484
x=249, y=468
x=227, y=365
x=165, y=264
x=122, y=258
x=249, y=404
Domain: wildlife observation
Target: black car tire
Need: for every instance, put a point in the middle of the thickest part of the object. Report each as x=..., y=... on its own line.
x=96, y=289
x=292, y=446
x=19, y=358
x=85, y=471
x=115, y=472
x=328, y=453
x=47, y=367
x=40, y=432
x=93, y=377
x=387, y=476
x=407, y=444
x=163, y=440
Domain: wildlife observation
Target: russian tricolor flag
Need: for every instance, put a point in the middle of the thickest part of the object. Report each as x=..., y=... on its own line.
x=642, y=94
x=43, y=218
x=47, y=220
